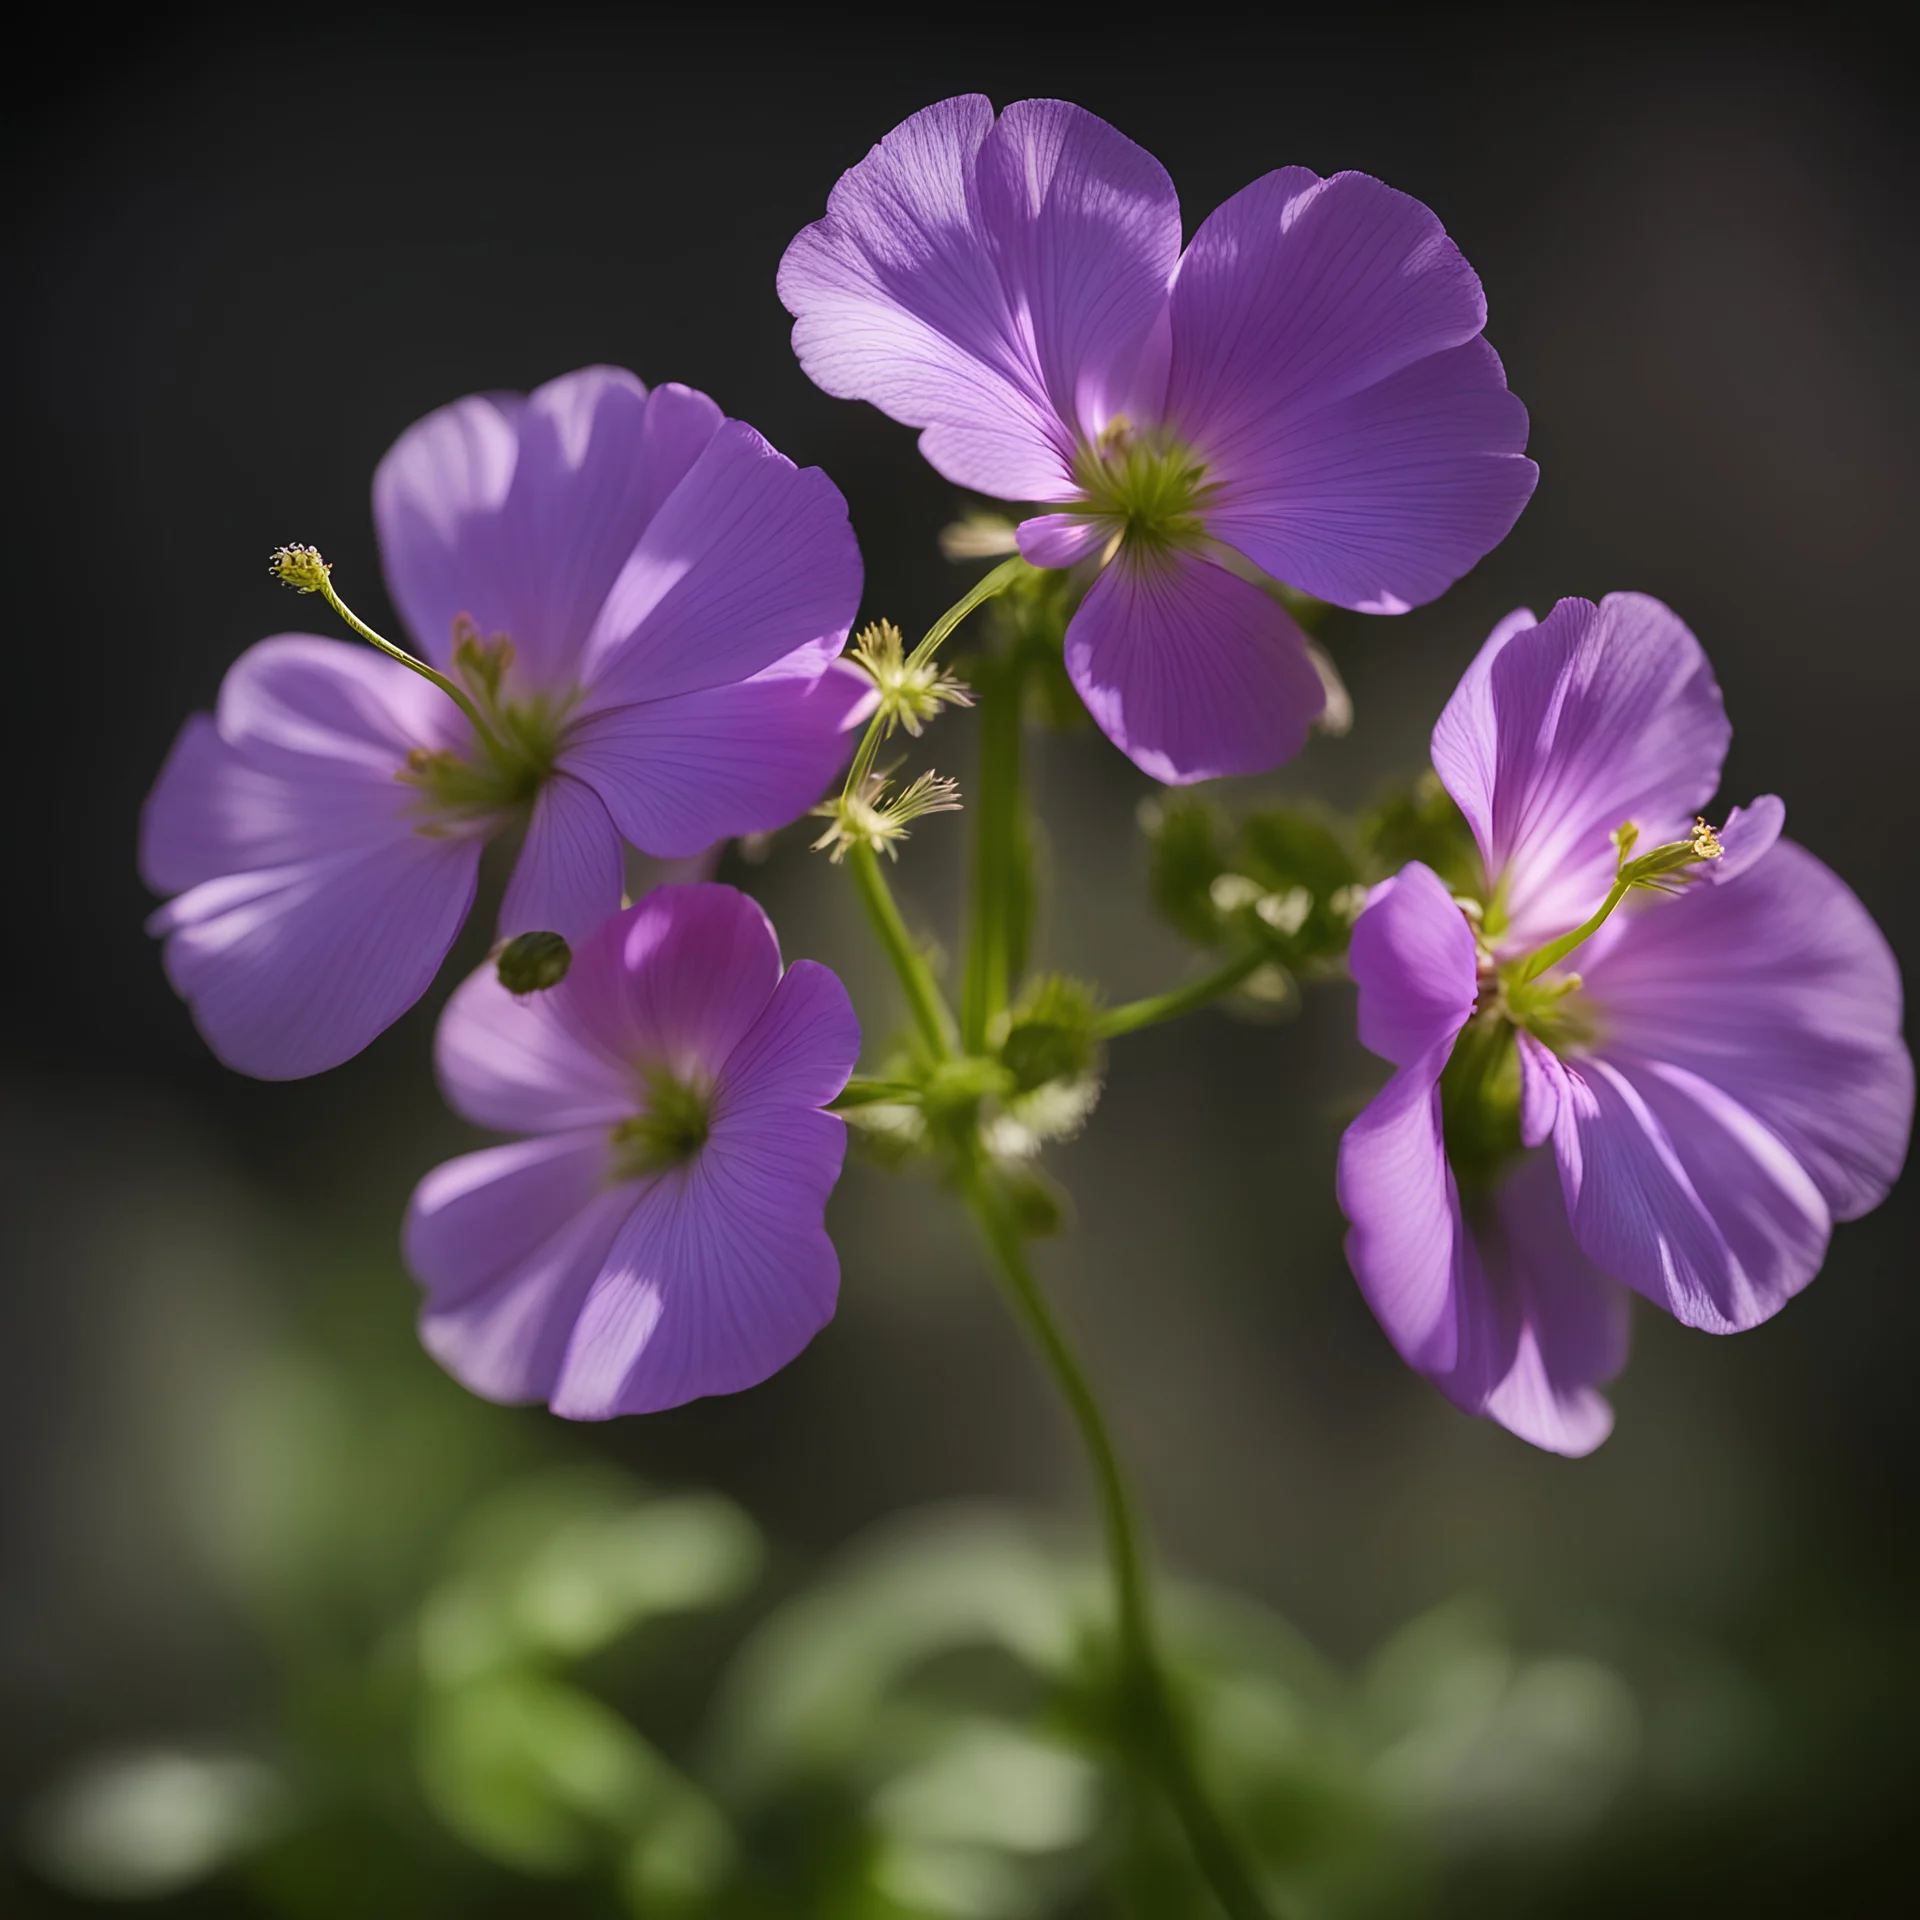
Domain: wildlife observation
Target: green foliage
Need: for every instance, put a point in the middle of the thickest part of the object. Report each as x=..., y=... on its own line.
x=1051, y=1034
x=1421, y=822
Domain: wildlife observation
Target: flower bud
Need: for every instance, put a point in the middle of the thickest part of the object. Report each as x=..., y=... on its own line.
x=533, y=962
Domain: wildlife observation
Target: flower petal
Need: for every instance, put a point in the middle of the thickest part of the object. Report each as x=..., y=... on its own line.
x=507, y=1243
x=316, y=911
x=1412, y=957
x=1675, y=1189
x=1573, y=1319
x=1563, y=731
x=1780, y=991
x=676, y=980
x=1060, y=539
x=722, y=1274
x=530, y=1063
x=569, y=875
x=749, y=558
x=993, y=284
x=521, y=513
x=1416, y=1264
x=681, y=773
x=798, y=1053
x=1190, y=671
x=1749, y=833
x=1382, y=499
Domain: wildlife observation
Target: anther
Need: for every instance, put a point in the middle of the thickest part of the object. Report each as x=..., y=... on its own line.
x=301, y=568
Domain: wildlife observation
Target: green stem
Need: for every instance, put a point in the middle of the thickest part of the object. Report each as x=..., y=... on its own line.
x=998, y=581
x=871, y=1093
x=453, y=692
x=1216, y=1853
x=930, y=1011
x=999, y=865
x=1182, y=1000
x=1537, y=964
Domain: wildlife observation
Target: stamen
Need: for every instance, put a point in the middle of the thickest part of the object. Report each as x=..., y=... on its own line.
x=1706, y=842
x=870, y=818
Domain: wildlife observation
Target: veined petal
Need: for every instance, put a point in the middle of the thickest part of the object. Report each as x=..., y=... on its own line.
x=720, y=1276
x=993, y=284
x=1563, y=731
x=1779, y=990
x=568, y=877
x=1573, y=1320
x=748, y=559
x=1412, y=957
x=798, y=1053
x=1190, y=671
x=1749, y=833
x=507, y=1243
x=680, y=773
x=676, y=980
x=520, y=513
x=1382, y=499
x=1675, y=1189
x=1060, y=539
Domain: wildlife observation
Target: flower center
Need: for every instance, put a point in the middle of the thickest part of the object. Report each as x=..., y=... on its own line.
x=672, y=1129
x=512, y=753
x=1150, y=490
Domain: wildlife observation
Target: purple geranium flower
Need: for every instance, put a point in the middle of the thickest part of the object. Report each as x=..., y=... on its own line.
x=1303, y=395
x=1721, y=1079
x=644, y=601
x=659, y=1236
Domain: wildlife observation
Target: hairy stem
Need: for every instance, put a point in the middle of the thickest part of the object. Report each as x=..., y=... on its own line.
x=930, y=1012
x=1150, y=1012
x=1000, y=853
x=1153, y=1714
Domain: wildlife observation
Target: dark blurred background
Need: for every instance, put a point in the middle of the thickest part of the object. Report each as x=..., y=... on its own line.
x=245, y=253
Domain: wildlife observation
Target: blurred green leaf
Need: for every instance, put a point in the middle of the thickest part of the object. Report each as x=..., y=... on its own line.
x=1421, y=822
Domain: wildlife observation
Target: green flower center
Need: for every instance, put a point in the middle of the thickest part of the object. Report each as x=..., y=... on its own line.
x=1150, y=490
x=673, y=1128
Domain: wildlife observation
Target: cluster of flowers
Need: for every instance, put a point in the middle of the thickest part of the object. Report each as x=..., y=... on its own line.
x=631, y=614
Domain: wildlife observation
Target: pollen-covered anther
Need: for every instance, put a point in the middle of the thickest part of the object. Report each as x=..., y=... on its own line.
x=911, y=693
x=301, y=568
x=872, y=818
x=1706, y=843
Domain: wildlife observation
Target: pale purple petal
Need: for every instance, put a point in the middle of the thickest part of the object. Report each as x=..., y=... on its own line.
x=568, y=877
x=798, y=1053
x=676, y=980
x=1678, y=1191
x=1190, y=671
x=748, y=559
x=681, y=773
x=506, y=1244
x=521, y=513
x=316, y=910
x=1750, y=831
x=1060, y=539
x=1382, y=499
x=1597, y=716
x=1573, y=1320
x=994, y=285
x=1780, y=991
x=1543, y=1086
x=1409, y=1250
x=721, y=1276
x=1412, y=957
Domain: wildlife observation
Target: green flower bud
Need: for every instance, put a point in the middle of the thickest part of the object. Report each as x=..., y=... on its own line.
x=533, y=962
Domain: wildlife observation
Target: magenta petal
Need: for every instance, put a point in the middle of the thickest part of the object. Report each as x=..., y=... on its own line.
x=1413, y=959
x=1381, y=499
x=681, y=773
x=1060, y=539
x=1190, y=671
x=1780, y=991
x=507, y=1243
x=521, y=513
x=721, y=1276
x=1572, y=1318
x=748, y=559
x=569, y=875
x=992, y=284
x=1678, y=1191
x=676, y=980
x=1597, y=716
